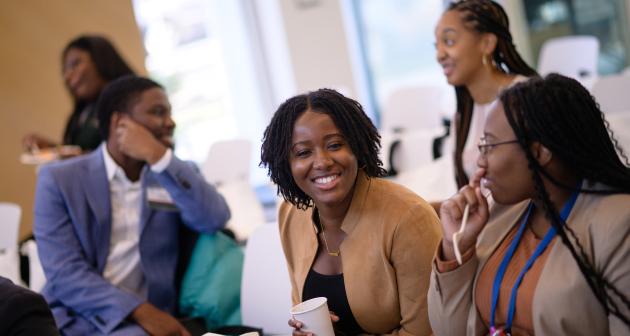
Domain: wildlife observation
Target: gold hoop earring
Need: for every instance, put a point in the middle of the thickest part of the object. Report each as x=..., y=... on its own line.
x=484, y=61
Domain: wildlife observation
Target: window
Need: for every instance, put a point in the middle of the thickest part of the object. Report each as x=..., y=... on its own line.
x=397, y=37
x=202, y=52
x=605, y=19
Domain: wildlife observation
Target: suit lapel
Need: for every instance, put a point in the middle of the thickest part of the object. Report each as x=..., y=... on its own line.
x=96, y=187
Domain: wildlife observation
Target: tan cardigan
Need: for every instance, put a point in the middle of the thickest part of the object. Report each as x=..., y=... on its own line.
x=563, y=303
x=386, y=255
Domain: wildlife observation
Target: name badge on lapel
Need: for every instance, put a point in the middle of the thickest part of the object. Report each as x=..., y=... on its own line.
x=160, y=199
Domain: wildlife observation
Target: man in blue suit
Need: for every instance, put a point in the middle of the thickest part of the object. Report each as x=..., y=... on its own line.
x=109, y=225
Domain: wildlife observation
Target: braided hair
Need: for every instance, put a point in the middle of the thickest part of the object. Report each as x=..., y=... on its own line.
x=561, y=114
x=483, y=16
x=349, y=117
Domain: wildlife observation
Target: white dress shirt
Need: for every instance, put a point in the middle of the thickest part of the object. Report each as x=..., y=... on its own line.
x=123, y=267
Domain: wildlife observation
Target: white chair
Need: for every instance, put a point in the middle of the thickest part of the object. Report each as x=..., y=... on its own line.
x=572, y=56
x=414, y=150
x=228, y=160
x=37, y=279
x=387, y=141
x=227, y=166
x=620, y=125
x=10, y=214
x=611, y=92
x=265, y=286
x=247, y=211
x=434, y=181
x=412, y=107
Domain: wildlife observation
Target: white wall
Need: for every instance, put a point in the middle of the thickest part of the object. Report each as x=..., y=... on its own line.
x=317, y=44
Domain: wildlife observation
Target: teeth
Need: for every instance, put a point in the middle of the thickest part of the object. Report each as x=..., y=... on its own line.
x=326, y=179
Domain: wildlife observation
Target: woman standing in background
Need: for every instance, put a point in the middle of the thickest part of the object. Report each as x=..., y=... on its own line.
x=89, y=62
x=475, y=49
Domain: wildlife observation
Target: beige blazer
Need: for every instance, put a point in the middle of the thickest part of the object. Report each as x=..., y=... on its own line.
x=563, y=303
x=386, y=255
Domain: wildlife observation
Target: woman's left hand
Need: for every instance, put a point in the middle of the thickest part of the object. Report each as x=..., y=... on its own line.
x=297, y=325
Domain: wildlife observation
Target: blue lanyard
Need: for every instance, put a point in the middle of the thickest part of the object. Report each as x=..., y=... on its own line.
x=498, y=278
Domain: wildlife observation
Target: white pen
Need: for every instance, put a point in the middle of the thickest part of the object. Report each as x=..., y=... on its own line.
x=459, y=233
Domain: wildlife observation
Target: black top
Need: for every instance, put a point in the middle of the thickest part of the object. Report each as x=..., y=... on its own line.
x=82, y=129
x=23, y=312
x=332, y=288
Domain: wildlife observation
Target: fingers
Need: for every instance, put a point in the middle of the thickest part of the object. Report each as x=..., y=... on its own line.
x=476, y=178
x=124, y=123
x=451, y=208
x=297, y=325
x=293, y=323
x=333, y=316
x=27, y=142
x=483, y=203
x=466, y=195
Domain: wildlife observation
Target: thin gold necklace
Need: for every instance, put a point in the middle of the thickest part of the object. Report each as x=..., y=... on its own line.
x=321, y=226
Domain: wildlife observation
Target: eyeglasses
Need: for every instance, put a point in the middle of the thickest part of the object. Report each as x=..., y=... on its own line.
x=485, y=147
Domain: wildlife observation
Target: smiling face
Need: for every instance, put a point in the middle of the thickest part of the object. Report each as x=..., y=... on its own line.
x=321, y=160
x=153, y=110
x=507, y=174
x=81, y=76
x=459, y=49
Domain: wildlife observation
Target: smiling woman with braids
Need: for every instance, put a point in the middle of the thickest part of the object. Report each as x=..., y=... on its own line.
x=551, y=256
x=361, y=241
x=474, y=47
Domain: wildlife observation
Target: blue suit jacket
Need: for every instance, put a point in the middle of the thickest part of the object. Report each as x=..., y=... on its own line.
x=73, y=229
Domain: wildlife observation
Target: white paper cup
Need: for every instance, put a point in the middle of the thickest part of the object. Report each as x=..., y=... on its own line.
x=314, y=316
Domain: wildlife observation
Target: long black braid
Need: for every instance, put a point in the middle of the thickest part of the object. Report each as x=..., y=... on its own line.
x=483, y=16
x=347, y=114
x=562, y=115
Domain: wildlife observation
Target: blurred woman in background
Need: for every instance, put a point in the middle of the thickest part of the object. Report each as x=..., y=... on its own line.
x=89, y=62
x=475, y=49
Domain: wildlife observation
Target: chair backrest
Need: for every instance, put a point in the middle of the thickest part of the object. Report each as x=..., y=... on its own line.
x=572, y=56
x=246, y=210
x=611, y=92
x=228, y=160
x=620, y=125
x=37, y=279
x=433, y=181
x=412, y=108
x=265, y=288
x=228, y=167
x=415, y=149
x=10, y=214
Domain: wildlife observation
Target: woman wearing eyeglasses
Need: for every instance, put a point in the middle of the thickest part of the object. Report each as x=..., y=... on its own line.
x=551, y=256
x=364, y=243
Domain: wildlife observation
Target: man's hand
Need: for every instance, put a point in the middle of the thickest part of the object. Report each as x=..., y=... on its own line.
x=137, y=141
x=157, y=322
